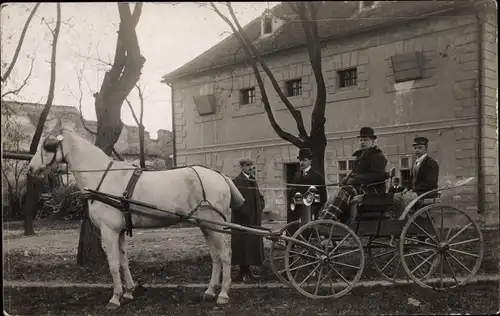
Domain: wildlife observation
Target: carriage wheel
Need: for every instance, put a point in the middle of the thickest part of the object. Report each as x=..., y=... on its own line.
x=445, y=241
x=277, y=251
x=326, y=261
x=385, y=255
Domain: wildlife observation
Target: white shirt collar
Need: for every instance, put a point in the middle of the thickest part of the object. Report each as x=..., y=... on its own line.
x=306, y=169
x=248, y=176
x=420, y=159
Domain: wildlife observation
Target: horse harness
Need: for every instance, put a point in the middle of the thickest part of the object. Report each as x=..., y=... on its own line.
x=52, y=145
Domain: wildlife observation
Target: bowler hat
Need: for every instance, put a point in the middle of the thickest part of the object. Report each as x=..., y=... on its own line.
x=245, y=161
x=367, y=132
x=420, y=141
x=304, y=153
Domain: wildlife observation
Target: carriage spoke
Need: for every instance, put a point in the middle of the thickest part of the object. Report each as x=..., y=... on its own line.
x=463, y=242
x=303, y=255
x=340, y=275
x=383, y=254
x=343, y=254
x=389, y=262
x=423, y=262
x=442, y=225
x=318, y=236
x=441, y=268
x=431, y=220
x=421, y=242
x=345, y=265
x=338, y=245
x=460, y=263
x=398, y=265
x=309, y=275
x=460, y=231
x=448, y=234
x=319, y=281
x=451, y=269
x=464, y=253
x=424, y=231
x=418, y=253
x=305, y=265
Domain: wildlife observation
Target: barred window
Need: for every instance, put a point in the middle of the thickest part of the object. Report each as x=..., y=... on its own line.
x=294, y=87
x=348, y=77
x=248, y=96
x=344, y=167
x=268, y=25
x=405, y=171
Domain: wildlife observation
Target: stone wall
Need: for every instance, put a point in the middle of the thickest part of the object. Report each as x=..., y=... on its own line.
x=441, y=106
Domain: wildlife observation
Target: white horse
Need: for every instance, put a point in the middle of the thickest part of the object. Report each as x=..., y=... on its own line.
x=179, y=190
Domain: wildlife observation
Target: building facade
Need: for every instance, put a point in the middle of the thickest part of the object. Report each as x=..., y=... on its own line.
x=434, y=76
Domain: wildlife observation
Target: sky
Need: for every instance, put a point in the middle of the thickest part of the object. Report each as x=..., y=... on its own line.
x=169, y=36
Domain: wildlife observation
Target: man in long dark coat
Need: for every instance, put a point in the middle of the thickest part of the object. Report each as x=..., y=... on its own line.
x=306, y=177
x=247, y=249
x=369, y=168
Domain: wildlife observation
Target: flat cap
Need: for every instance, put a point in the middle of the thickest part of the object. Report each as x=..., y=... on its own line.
x=245, y=161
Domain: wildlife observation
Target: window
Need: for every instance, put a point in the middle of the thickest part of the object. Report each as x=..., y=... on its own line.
x=348, y=77
x=405, y=172
x=294, y=87
x=248, y=96
x=344, y=167
x=268, y=25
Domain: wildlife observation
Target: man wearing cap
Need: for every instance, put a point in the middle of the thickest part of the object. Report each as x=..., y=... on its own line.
x=247, y=249
x=369, y=168
x=306, y=176
x=423, y=176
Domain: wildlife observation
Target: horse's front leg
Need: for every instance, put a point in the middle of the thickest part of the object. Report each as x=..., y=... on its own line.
x=110, y=241
x=127, y=276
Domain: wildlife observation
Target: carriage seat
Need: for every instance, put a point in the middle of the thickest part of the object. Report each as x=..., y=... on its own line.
x=373, y=206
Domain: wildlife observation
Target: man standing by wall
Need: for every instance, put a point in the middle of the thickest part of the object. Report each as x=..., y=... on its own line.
x=247, y=249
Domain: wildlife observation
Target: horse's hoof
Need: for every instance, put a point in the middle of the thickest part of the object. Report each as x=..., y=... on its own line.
x=112, y=306
x=127, y=296
x=221, y=300
x=207, y=297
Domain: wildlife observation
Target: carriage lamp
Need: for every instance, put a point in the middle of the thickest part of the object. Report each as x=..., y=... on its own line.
x=297, y=199
x=311, y=196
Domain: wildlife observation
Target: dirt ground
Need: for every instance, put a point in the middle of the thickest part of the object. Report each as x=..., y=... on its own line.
x=399, y=300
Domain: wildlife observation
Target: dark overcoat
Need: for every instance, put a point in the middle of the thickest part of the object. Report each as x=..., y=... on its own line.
x=426, y=177
x=369, y=167
x=247, y=249
x=310, y=178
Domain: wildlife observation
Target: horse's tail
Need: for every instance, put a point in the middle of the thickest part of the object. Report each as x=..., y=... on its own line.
x=237, y=198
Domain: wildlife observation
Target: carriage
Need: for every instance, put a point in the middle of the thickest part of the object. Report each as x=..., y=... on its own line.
x=311, y=254
x=321, y=258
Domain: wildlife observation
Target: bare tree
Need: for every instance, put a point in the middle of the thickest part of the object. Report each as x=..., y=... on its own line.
x=119, y=81
x=316, y=139
x=117, y=84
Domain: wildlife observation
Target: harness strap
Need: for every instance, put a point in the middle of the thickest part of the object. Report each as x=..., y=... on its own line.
x=127, y=194
x=103, y=176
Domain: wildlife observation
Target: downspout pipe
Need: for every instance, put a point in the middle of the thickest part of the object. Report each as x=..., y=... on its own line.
x=174, y=151
x=480, y=111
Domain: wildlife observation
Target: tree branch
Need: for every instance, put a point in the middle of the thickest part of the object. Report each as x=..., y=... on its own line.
x=20, y=43
x=253, y=62
x=25, y=82
x=50, y=96
x=297, y=115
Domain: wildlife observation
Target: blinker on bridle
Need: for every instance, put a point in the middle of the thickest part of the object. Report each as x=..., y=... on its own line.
x=51, y=145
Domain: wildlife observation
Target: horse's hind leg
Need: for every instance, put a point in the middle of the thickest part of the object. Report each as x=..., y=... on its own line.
x=127, y=276
x=216, y=265
x=220, y=249
x=110, y=241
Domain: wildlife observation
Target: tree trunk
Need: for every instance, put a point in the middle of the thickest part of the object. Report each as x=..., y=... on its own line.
x=318, y=161
x=90, y=252
x=33, y=188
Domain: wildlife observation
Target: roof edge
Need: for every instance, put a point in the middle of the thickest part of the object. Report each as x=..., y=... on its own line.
x=171, y=79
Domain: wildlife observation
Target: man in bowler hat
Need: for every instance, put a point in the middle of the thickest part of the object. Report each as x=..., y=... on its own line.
x=423, y=176
x=247, y=249
x=369, y=168
x=306, y=176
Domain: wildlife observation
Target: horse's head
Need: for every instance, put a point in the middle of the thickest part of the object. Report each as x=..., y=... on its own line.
x=49, y=153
